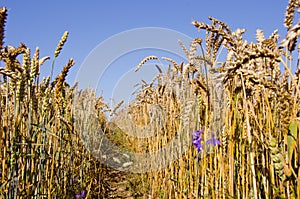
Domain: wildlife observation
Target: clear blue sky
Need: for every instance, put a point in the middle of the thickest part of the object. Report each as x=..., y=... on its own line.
x=41, y=23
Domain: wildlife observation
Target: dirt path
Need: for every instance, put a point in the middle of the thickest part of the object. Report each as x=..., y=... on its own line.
x=122, y=185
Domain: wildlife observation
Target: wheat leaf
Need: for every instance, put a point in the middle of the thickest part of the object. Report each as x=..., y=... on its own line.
x=291, y=138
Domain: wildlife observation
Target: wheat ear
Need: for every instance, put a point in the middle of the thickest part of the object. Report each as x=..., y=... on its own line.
x=62, y=76
x=289, y=14
x=61, y=44
x=3, y=15
x=260, y=36
x=116, y=108
x=151, y=57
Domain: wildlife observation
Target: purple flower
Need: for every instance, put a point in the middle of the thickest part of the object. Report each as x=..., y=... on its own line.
x=198, y=145
x=81, y=195
x=198, y=134
x=213, y=140
x=197, y=137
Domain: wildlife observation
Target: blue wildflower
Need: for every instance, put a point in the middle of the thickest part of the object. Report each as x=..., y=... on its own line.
x=81, y=195
x=197, y=137
x=213, y=140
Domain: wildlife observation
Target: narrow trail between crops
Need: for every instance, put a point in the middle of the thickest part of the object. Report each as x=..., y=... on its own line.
x=119, y=185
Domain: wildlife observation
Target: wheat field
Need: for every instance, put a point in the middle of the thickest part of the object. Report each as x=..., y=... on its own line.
x=238, y=112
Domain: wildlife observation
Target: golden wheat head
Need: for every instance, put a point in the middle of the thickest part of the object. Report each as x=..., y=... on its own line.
x=291, y=38
x=3, y=15
x=290, y=13
x=61, y=44
x=62, y=76
x=151, y=57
